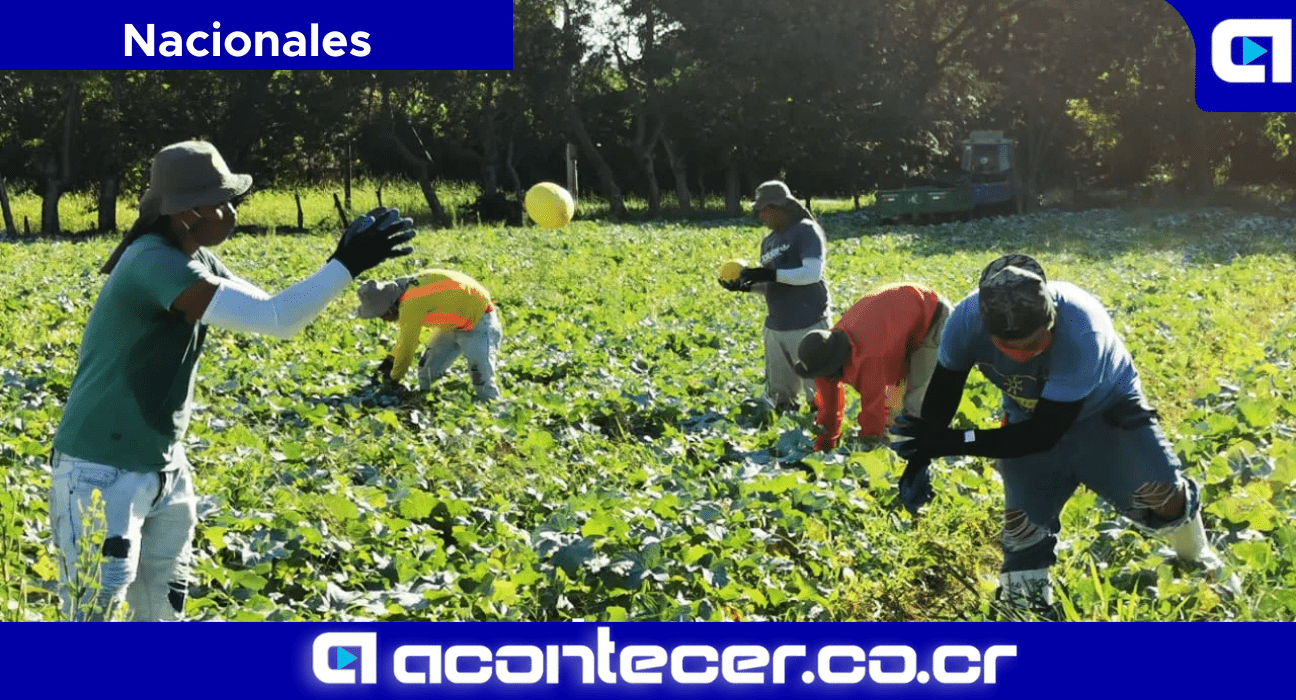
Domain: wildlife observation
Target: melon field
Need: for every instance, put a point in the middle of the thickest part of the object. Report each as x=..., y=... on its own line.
x=628, y=474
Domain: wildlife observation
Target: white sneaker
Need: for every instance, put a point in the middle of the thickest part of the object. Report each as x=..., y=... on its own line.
x=1191, y=545
x=1031, y=589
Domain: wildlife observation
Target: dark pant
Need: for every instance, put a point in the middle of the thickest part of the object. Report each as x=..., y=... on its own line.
x=1117, y=455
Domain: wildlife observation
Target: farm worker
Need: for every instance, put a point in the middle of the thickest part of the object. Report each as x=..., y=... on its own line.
x=791, y=278
x=123, y=427
x=461, y=314
x=1074, y=414
x=889, y=338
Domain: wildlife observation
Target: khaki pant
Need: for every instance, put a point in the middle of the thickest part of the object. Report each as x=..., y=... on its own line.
x=923, y=360
x=782, y=384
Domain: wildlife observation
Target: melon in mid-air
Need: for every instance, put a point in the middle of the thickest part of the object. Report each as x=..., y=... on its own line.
x=730, y=270
x=549, y=205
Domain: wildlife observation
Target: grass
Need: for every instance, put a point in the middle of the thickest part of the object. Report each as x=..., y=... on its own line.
x=78, y=211
x=624, y=476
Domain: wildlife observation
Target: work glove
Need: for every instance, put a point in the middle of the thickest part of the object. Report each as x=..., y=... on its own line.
x=752, y=275
x=383, y=374
x=373, y=238
x=915, y=485
x=925, y=439
x=736, y=285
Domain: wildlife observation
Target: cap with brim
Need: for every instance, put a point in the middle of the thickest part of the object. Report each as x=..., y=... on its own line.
x=822, y=354
x=1014, y=298
x=376, y=298
x=189, y=174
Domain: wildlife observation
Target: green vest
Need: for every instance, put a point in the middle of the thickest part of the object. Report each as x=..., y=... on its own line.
x=129, y=402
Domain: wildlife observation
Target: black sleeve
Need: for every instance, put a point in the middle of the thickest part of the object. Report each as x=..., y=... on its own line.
x=1039, y=433
x=944, y=392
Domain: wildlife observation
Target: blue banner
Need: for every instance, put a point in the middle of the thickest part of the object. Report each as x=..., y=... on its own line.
x=152, y=35
x=1243, y=54
x=652, y=660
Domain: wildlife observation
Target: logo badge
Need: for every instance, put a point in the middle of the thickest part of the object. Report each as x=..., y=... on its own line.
x=1252, y=69
x=336, y=655
x=1244, y=53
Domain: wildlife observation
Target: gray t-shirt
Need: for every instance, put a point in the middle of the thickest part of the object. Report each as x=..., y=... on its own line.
x=129, y=402
x=792, y=306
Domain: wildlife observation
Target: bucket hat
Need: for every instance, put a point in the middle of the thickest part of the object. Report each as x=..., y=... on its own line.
x=189, y=174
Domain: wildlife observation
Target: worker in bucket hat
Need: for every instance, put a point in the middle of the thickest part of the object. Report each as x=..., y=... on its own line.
x=122, y=432
x=790, y=277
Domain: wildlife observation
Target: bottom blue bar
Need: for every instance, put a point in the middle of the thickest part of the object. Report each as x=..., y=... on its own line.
x=657, y=660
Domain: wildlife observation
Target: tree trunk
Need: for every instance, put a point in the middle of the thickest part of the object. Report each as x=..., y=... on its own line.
x=429, y=193
x=643, y=150
x=654, y=190
x=10, y=229
x=58, y=168
x=490, y=143
x=679, y=170
x=1201, y=175
x=346, y=175
x=110, y=183
x=512, y=172
x=607, y=180
x=50, y=224
x=109, y=188
x=243, y=121
x=421, y=165
x=733, y=202
x=1029, y=184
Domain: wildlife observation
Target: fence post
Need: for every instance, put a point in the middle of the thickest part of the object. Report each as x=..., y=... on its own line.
x=573, y=184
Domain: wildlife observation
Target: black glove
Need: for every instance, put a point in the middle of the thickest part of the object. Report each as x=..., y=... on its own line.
x=752, y=275
x=926, y=440
x=915, y=485
x=735, y=285
x=373, y=238
x=383, y=374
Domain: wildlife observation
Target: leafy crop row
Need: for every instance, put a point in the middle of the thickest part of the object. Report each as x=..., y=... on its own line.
x=627, y=474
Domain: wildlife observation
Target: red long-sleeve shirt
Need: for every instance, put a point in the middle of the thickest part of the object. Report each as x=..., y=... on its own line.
x=884, y=327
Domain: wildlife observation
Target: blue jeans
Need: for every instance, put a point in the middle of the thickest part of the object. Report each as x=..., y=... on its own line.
x=1121, y=455
x=148, y=526
x=479, y=346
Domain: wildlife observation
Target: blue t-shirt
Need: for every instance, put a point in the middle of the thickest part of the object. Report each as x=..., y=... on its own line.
x=1086, y=361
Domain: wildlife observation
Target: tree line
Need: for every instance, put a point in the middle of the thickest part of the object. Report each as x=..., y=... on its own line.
x=682, y=98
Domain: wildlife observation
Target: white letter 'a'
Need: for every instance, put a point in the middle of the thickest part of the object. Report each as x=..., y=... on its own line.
x=1280, y=30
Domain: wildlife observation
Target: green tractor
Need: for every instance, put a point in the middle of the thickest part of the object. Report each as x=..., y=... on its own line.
x=985, y=185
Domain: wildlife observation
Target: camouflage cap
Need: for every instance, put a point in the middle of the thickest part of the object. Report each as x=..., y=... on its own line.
x=822, y=354
x=1014, y=298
